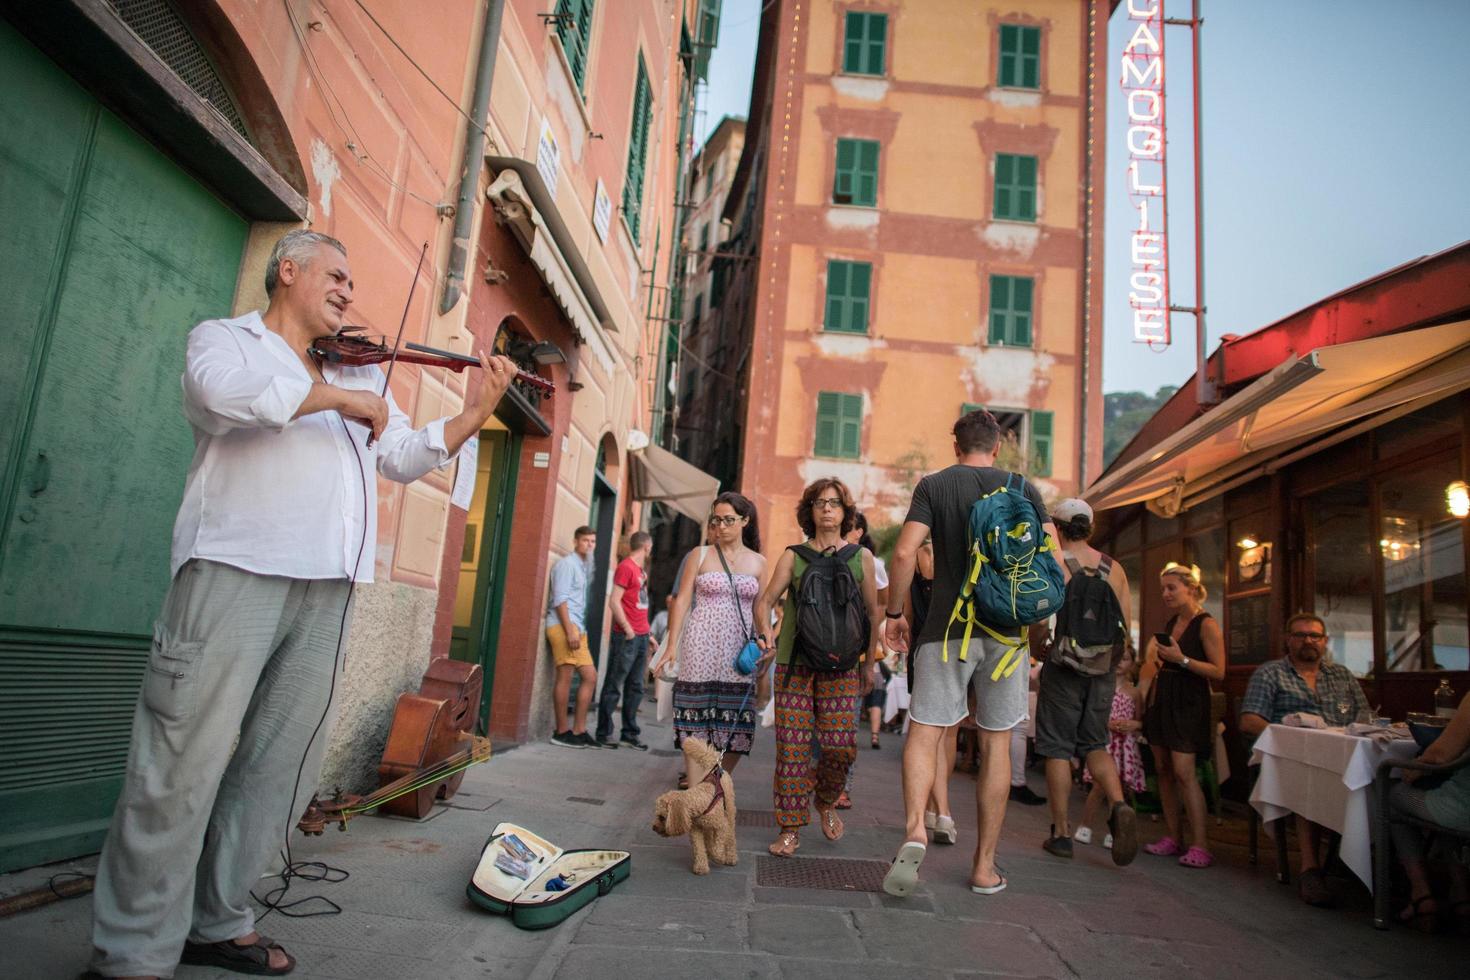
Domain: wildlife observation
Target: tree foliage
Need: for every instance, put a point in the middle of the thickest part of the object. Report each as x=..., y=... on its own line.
x=1124, y=413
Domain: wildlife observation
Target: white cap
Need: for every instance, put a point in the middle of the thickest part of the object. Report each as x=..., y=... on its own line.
x=1065, y=510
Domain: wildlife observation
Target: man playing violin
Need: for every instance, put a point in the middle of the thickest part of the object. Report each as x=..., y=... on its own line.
x=277, y=525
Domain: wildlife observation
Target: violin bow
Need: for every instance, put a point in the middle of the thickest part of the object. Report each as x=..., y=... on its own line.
x=398, y=341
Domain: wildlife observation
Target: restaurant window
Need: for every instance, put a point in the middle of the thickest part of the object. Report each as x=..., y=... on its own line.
x=1133, y=567
x=863, y=42
x=1156, y=528
x=1010, y=310
x=1207, y=550
x=1015, y=187
x=1418, y=430
x=856, y=177
x=1130, y=535
x=839, y=425
x=849, y=289
x=1020, y=57
x=1422, y=547
x=1340, y=553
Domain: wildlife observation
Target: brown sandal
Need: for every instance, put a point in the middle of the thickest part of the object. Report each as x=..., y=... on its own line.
x=785, y=845
x=832, y=827
x=844, y=802
x=229, y=955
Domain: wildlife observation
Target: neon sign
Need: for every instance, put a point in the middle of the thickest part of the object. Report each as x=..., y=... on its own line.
x=1143, y=88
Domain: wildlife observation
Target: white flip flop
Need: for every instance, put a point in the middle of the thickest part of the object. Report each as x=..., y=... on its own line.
x=904, y=874
x=999, y=886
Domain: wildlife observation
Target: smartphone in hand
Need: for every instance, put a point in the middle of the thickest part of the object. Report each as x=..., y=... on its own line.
x=1164, y=639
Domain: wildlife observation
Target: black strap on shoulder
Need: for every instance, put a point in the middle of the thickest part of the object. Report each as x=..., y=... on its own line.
x=806, y=554
x=845, y=554
x=1104, y=565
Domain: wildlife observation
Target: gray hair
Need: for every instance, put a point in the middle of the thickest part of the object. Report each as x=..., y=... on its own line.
x=297, y=246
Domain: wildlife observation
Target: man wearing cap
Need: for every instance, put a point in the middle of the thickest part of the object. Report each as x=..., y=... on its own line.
x=1075, y=700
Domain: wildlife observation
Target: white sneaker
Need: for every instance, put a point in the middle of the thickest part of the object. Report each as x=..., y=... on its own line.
x=930, y=818
x=944, y=831
x=1083, y=835
x=1108, y=842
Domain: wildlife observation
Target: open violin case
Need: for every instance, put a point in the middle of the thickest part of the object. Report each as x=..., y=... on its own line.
x=529, y=902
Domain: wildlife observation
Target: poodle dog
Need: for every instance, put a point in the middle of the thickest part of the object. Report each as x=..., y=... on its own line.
x=705, y=811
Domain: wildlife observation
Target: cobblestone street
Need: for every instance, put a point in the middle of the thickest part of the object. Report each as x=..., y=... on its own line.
x=405, y=915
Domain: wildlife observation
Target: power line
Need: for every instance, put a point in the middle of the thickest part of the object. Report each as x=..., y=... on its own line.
x=417, y=67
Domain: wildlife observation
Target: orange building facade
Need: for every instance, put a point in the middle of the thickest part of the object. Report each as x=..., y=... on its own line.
x=929, y=239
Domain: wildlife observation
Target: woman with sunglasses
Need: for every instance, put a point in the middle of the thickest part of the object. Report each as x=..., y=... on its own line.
x=1176, y=721
x=712, y=700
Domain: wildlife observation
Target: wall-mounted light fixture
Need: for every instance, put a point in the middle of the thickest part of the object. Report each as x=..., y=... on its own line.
x=1457, y=498
x=546, y=352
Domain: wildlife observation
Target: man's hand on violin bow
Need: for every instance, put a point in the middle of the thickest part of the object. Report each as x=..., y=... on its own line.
x=366, y=407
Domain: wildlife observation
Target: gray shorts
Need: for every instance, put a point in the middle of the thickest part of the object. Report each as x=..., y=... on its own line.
x=939, y=685
x=1072, y=712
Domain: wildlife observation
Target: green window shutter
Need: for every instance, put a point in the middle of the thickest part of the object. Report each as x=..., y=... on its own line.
x=828, y=411
x=1015, y=187
x=574, y=29
x=704, y=238
x=855, y=180
x=1040, y=450
x=849, y=288
x=637, y=150
x=1020, y=57
x=1010, y=310
x=698, y=309
x=865, y=37
x=851, y=427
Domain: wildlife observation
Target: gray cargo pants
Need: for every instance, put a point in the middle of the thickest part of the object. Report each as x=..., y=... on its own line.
x=234, y=654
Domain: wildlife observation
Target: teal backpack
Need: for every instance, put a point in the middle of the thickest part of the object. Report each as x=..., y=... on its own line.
x=1014, y=579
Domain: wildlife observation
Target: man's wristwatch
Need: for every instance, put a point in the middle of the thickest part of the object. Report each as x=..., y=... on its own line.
x=893, y=615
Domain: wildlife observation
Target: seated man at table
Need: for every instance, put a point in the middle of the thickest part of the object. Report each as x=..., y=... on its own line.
x=1304, y=681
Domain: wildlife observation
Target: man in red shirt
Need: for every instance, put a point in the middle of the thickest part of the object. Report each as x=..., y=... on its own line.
x=628, y=646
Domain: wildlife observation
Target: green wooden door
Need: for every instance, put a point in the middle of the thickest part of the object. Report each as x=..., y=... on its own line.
x=112, y=253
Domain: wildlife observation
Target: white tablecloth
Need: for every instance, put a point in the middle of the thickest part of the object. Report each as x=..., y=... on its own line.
x=896, y=698
x=1325, y=775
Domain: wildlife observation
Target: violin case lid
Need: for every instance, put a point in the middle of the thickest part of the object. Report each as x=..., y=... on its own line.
x=528, y=903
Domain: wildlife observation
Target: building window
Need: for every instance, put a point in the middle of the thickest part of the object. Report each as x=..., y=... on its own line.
x=573, y=28
x=1020, y=56
x=698, y=311
x=839, y=425
x=857, y=173
x=637, y=151
x=1028, y=433
x=863, y=43
x=703, y=239
x=709, y=183
x=1010, y=310
x=1422, y=547
x=1015, y=187
x=849, y=288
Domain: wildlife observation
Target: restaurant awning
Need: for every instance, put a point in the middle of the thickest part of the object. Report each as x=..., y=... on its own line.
x=1366, y=381
x=659, y=475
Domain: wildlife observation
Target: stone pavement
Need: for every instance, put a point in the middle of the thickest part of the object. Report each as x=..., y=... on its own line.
x=405, y=915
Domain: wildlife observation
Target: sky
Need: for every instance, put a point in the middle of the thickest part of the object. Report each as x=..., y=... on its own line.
x=1336, y=138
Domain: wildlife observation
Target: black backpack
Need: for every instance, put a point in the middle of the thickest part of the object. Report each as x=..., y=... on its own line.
x=1089, y=635
x=832, y=627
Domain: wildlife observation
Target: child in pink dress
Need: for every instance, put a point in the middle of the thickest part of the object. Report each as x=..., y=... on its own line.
x=1124, y=725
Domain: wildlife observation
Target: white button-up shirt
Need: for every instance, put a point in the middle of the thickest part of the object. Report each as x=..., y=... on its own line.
x=281, y=496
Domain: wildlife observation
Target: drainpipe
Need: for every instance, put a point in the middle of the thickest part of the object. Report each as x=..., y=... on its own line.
x=474, y=159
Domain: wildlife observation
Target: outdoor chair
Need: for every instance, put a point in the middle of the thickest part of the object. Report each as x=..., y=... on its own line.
x=1384, y=817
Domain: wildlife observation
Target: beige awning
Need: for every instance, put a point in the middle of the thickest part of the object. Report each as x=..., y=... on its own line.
x=659, y=475
x=1301, y=398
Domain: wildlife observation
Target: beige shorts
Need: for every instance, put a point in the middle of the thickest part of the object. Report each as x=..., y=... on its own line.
x=562, y=653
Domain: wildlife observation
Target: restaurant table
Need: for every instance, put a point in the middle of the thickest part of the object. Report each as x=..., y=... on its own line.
x=896, y=698
x=1326, y=775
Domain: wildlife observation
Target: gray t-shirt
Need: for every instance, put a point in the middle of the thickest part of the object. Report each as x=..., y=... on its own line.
x=942, y=503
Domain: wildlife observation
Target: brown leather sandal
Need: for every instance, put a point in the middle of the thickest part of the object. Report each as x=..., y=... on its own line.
x=785, y=845
x=229, y=955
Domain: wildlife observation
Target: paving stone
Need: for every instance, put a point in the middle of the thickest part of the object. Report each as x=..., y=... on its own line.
x=808, y=932
x=802, y=969
x=626, y=920
x=816, y=897
x=584, y=963
x=994, y=947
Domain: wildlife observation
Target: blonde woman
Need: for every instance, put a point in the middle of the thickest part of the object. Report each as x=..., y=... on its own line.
x=1176, y=721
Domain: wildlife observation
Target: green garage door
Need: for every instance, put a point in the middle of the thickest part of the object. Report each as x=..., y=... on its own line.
x=111, y=253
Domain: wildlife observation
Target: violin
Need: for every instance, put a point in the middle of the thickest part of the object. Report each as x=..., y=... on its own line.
x=351, y=349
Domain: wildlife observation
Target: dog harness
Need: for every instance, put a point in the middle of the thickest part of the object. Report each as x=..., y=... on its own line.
x=714, y=780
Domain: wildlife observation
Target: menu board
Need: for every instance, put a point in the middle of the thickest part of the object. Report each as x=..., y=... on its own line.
x=1249, y=641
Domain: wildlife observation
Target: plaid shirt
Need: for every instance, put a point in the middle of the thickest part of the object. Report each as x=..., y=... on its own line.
x=1277, y=690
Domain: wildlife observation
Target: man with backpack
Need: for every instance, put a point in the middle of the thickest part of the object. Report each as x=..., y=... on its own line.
x=994, y=575
x=1075, y=702
x=826, y=656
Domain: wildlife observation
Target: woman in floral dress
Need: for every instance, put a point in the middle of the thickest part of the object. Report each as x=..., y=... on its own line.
x=712, y=700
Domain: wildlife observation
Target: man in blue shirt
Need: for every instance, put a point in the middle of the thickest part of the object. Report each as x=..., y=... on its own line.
x=1303, y=681
x=566, y=626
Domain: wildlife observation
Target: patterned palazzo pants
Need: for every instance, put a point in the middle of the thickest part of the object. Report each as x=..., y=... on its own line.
x=808, y=702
